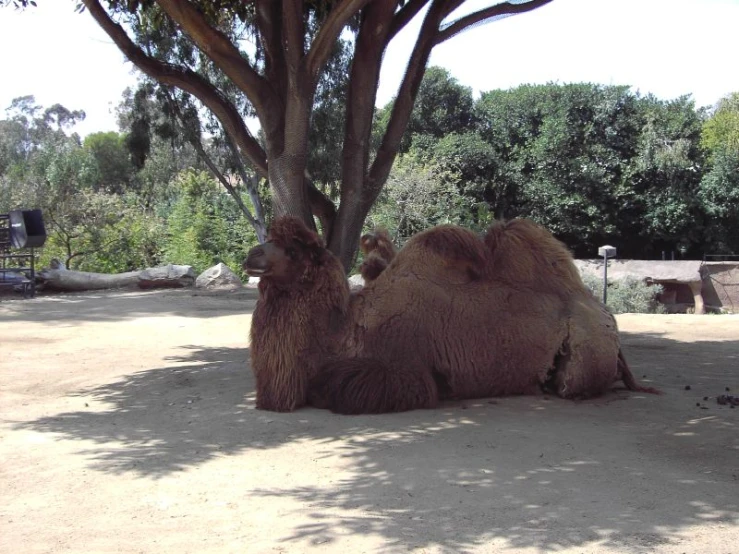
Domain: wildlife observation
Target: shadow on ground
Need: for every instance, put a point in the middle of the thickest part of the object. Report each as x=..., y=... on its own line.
x=627, y=470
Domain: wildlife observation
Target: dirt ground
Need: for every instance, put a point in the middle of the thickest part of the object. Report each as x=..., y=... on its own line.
x=128, y=425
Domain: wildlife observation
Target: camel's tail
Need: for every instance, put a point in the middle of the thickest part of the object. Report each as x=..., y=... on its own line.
x=366, y=386
x=628, y=378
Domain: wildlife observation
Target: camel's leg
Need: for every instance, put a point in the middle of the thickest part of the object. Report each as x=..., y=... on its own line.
x=366, y=386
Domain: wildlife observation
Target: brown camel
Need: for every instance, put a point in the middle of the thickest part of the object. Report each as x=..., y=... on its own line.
x=379, y=251
x=452, y=316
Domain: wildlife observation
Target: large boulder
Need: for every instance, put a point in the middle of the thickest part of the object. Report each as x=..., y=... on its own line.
x=219, y=276
x=168, y=276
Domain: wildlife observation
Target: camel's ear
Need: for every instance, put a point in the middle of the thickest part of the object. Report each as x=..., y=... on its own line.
x=287, y=229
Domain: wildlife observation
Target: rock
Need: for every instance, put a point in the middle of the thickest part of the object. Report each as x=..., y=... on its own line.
x=169, y=276
x=219, y=276
x=356, y=282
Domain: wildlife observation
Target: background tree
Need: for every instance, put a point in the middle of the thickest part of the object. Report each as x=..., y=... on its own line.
x=161, y=113
x=419, y=194
x=92, y=221
x=721, y=130
x=112, y=170
x=593, y=163
x=719, y=187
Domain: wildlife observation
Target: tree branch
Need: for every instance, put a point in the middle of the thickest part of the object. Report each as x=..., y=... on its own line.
x=365, y=75
x=217, y=46
x=269, y=23
x=327, y=35
x=363, y=81
x=456, y=27
x=186, y=80
x=404, y=16
x=196, y=141
x=292, y=37
x=403, y=105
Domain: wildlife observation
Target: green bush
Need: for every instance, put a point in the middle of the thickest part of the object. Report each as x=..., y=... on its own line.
x=629, y=295
x=205, y=226
x=101, y=232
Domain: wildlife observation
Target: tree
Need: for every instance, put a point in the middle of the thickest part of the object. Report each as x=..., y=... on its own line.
x=204, y=227
x=721, y=130
x=278, y=79
x=419, y=195
x=42, y=167
x=113, y=169
x=442, y=107
x=157, y=112
x=719, y=194
x=719, y=188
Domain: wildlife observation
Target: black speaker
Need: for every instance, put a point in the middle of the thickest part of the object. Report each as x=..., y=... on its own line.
x=27, y=229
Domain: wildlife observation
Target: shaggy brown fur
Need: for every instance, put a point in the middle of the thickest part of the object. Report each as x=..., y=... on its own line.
x=525, y=254
x=378, y=252
x=452, y=316
x=298, y=306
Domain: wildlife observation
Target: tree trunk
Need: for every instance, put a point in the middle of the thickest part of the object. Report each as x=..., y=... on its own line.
x=347, y=231
x=289, y=197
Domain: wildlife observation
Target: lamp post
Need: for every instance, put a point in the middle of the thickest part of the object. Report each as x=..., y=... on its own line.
x=607, y=252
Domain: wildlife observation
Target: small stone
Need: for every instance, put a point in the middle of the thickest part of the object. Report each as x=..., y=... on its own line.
x=698, y=404
x=727, y=389
x=687, y=387
x=705, y=398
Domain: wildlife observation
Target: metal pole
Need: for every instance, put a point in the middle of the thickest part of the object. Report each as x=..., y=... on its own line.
x=605, y=279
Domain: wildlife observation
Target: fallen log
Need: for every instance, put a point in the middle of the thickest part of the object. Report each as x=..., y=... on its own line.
x=67, y=280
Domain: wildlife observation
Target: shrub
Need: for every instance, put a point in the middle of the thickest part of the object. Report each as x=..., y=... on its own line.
x=628, y=295
x=205, y=226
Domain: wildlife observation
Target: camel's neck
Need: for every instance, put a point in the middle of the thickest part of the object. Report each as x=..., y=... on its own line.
x=294, y=331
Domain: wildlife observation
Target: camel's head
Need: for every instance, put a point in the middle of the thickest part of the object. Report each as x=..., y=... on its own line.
x=291, y=254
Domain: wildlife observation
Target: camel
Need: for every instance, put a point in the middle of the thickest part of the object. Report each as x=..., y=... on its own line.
x=378, y=250
x=453, y=316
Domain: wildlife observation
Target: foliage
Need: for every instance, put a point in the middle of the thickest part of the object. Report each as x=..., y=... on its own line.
x=112, y=169
x=442, y=107
x=156, y=114
x=595, y=164
x=103, y=233
x=719, y=195
x=627, y=296
x=205, y=227
x=419, y=195
x=721, y=131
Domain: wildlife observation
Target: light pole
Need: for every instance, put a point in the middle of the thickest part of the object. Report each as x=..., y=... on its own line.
x=607, y=252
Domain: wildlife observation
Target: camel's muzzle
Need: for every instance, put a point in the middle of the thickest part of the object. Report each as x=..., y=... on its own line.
x=256, y=263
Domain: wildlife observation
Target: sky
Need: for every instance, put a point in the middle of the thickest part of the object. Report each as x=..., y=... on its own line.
x=664, y=47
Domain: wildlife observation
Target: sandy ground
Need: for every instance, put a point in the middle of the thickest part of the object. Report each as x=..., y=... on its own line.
x=128, y=425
